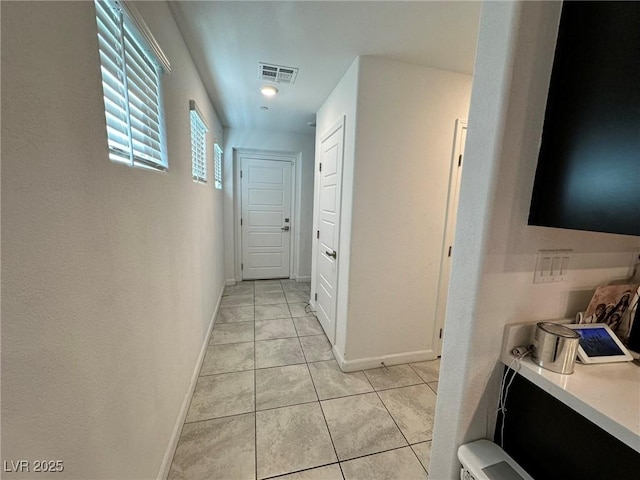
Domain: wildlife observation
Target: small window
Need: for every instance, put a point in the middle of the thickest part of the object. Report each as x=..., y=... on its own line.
x=218, y=165
x=198, y=144
x=131, y=86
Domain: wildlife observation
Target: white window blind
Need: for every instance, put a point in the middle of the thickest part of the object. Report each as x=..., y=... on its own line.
x=217, y=162
x=198, y=144
x=131, y=88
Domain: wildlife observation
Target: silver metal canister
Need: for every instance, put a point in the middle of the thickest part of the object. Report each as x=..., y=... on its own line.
x=555, y=347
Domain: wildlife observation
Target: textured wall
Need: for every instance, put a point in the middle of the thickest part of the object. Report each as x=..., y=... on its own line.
x=110, y=275
x=399, y=131
x=404, y=143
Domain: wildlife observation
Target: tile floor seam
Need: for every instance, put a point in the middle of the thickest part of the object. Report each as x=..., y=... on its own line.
x=403, y=435
x=255, y=395
x=395, y=388
x=224, y=373
x=378, y=453
x=301, y=470
x=218, y=418
x=285, y=406
x=393, y=419
x=325, y=420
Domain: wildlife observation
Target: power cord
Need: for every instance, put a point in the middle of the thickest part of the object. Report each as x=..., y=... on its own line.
x=519, y=353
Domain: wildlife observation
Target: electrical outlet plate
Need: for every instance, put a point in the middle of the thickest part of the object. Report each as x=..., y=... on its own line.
x=552, y=266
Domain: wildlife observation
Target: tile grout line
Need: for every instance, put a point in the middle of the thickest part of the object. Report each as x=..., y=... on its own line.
x=255, y=391
x=335, y=451
x=402, y=433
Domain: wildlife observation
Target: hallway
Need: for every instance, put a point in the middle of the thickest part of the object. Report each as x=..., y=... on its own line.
x=272, y=401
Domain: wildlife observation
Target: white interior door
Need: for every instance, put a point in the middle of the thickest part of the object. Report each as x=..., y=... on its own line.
x=330, y=173
x=266, y=218
x=450, y=231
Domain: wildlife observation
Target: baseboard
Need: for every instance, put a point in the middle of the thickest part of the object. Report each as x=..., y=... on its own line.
x=182, y=415
x=303, y=279
x=374, y=362
x=230, y=282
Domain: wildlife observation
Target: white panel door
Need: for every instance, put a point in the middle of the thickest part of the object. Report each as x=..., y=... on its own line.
x=330, y=173
x=266, y=218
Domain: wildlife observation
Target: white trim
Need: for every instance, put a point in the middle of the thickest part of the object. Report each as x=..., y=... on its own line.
x=374, y=362
x=135, y=17
x=230, y=282
x=182, y=415
x=296, y=181
x=303, y=279
x=453, y=194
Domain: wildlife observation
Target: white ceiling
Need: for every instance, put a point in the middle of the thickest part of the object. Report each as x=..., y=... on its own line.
x=228, y=39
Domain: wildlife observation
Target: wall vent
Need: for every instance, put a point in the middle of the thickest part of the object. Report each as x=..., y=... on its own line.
x=277, y=73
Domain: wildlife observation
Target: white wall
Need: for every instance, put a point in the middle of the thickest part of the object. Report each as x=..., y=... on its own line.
x=303, y=145
x=110, y=275
x=491, y=283
x=400, y=125
x=340, y=104
x=404, y=143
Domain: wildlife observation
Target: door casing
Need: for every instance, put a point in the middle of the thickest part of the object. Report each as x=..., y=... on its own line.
x=457, y=162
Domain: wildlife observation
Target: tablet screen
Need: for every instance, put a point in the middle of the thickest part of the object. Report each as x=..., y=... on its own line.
x=596, y=342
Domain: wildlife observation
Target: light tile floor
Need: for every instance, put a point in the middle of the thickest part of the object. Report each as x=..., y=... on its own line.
x=271, y=401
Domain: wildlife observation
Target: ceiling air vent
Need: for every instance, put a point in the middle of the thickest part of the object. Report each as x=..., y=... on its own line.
x=277, y=73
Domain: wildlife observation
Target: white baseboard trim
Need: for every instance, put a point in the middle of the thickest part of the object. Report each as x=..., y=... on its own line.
x=230, y=282
x=301, y=278
x=374, y=362
x=182, y=415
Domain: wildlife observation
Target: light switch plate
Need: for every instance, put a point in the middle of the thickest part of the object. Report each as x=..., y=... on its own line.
x=552, y=266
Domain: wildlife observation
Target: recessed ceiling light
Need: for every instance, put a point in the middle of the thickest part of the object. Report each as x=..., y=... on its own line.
x=269, y=91
x=263, y=107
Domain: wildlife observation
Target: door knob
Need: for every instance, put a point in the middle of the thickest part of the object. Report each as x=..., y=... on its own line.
x=332, y=254
x=286, y=229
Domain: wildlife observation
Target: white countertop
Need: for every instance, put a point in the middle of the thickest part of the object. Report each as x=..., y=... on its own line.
x=607, y=394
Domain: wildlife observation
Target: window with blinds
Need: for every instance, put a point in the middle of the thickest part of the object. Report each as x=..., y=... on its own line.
x=198, y=144
x=217, y=163
x=131, y=87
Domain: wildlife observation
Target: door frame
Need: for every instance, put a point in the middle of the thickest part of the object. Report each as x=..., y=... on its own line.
x=279, y=156
x=449, y=235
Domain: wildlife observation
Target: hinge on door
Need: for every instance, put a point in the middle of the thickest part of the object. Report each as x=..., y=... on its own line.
x=440, y=333
x=315, y=296
x=240, y=173
x=318, y=234
x=242, y=266
x=240, y=222
x=449, y=251
x=320, y=166
x=460, y=160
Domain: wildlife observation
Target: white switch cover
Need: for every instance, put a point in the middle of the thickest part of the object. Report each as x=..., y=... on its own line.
x=552, y=266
